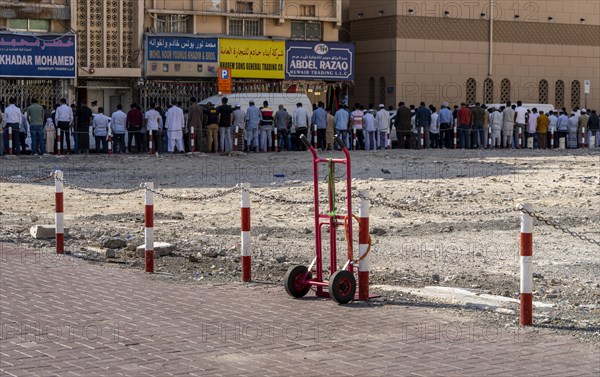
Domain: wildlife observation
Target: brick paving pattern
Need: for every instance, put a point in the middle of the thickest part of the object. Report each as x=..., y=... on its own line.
x=65, y=317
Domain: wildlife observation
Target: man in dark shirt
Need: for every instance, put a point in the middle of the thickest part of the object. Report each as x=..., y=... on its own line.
x=225, y=121
x=477, y=120
x=403, y=130
x=211, y=116
x=423, y=122
x=83, y=119
x=594, y=129
x=134, y=126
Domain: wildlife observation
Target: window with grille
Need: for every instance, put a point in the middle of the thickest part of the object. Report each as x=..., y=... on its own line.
x=560, y=94
x=471, y=91
x=310, y=31
x=308, y=10
x=245, y=27
x=505, y=91
x=26, y=24
x=244, y=7
x=543, y=91
x=382, y=90
x=575, y=94
x=488, y=90
x=172, y=23
x=372, y=90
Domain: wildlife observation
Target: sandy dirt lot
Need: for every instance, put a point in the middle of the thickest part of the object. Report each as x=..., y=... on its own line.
x=415, y=243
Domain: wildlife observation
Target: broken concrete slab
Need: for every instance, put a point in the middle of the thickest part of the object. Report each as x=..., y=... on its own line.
x=160, y=249
x=463, y=296
x=43, y=232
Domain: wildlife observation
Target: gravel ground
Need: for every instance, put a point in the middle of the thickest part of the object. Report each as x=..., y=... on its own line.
x=415, y=244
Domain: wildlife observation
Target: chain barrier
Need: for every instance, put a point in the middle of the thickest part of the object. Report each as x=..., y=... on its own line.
x=556, y=226
x=219, y=194
x=376, y=201
x=99, y=193
x=43, y=178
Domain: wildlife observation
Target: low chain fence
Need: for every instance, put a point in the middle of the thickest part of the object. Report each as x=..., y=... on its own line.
x=376, y=201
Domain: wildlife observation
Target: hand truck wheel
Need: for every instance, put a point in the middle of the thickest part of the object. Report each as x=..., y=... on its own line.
x=342, y=286
x=293, y=281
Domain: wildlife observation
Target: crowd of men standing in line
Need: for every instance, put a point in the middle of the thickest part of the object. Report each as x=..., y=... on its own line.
x=213, y=128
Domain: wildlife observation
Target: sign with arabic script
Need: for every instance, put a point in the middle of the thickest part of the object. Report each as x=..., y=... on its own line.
x=253, y=59
x=181, y=56
x=319, y=61
x=37, y=56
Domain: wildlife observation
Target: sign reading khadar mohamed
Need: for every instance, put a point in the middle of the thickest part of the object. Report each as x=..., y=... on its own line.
x=37, y=56
x=170, y=56
x=319, y=61
x=253, y=59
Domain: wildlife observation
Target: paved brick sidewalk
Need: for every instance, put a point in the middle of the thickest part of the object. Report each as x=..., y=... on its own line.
x=66, y=317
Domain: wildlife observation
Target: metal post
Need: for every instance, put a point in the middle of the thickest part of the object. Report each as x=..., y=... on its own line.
x=246, y=243
x=149, y=230
x=526, y=267
x=59, y=228
x=363, y=246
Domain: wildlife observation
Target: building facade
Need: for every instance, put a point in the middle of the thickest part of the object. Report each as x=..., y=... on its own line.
x=486, y=51
x=139, y=50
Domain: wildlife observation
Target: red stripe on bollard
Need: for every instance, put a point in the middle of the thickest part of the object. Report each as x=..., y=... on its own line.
x=149, y=216
x=59, y=200
x=246, y=269
x=526, y=244
x=245, y=212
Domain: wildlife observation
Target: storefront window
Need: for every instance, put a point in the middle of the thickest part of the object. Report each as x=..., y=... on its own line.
x=29, y=24
x=310, y=31
x=245, y=27
x=172, y=23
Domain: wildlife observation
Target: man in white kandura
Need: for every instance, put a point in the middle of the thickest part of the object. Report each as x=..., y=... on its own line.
x=174, y=124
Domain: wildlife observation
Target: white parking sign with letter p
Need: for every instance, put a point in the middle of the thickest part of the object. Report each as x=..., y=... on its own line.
x=586, y=86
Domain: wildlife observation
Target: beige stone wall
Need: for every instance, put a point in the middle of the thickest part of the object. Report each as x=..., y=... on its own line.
x=434, y=56
x=435, y=70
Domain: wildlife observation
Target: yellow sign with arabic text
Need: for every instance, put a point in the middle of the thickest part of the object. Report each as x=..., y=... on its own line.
x=253, y=59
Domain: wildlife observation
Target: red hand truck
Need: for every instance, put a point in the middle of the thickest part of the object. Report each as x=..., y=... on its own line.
x=341, y=286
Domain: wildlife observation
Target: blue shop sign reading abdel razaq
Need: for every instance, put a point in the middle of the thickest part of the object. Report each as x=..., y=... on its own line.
x=319, y=61
x=37, y=55
x=181, y=56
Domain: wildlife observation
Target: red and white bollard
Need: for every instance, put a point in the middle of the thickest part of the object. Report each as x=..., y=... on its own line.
x=526, y=267
x=150, y=142
x=421, y=138
x=315, y=137
x=149, y=230
x=363, y=246
x=192, y=139
x=455, y=140
x=552, y=139
x=520, y=145
x=490, y=146
x=109, y=142
x=583, y=141
x=59, y=226
x=354, y=139
x=10, y=141
x=58, y=134
x=235, y=138
x=246, y=246
x=389, y=139
x=276, y=140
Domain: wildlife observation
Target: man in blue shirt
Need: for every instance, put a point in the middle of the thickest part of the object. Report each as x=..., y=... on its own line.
x=446, y=120
x=253, y=118
x=319, y=118
x=342, y=120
